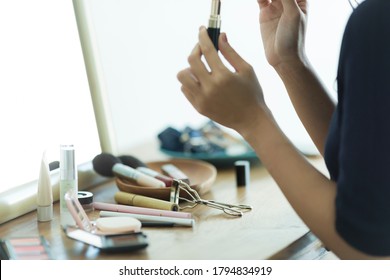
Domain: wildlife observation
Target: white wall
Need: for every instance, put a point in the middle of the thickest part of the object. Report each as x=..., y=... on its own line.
x=143, y=44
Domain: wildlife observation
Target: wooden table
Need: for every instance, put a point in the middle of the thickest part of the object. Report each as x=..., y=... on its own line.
x=268, y=231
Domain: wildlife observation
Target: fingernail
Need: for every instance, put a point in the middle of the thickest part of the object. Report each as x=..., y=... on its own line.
x=224, y=38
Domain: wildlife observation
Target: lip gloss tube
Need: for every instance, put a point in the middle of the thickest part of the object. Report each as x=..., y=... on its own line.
x=68, y=182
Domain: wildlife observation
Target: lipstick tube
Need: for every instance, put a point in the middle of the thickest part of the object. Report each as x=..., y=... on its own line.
x=214, y=28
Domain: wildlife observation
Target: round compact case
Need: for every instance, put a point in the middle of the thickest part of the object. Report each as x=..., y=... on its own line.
x=117, y=225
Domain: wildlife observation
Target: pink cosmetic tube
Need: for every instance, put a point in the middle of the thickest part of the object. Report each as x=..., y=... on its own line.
x=140, y=210
x=167, y=180
x=175, y=173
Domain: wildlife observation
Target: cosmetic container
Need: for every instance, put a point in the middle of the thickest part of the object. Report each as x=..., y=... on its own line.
x=174, y=172
x=150, y=172
x=68, y=181
x=144, y=201
x=45, y=193
x=242, y=172
x=86, y=200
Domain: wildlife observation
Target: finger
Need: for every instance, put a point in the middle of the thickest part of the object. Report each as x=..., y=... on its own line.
x=294, y=7
x=191, y=97
x=264, y=3
x=303, y=5
x=188, y=80
x=197, y=66
x=230, y=54
x=208, y=50
x=290, y=6
x=189, y=85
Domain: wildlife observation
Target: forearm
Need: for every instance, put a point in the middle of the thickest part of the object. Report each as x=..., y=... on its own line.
x=235, y=99
x=298, y=179
x=311, y=194
x=310, y=99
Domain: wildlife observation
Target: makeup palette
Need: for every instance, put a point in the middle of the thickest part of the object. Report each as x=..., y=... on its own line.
x=25, y=248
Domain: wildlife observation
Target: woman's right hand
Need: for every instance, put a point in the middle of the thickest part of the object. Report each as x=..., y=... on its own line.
x=283, y=28
x=231, y=98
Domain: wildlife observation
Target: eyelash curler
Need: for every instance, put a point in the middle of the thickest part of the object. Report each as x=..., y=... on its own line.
x=195, y=200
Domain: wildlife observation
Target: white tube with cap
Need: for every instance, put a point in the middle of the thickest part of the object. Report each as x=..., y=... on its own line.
x=45, y=193
x=186, y=222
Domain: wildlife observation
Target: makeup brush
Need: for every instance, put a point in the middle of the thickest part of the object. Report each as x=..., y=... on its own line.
x=108, y=165
x=143, y=167
x=132, y=161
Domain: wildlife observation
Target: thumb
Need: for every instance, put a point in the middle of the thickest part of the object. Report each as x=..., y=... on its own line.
x=230, y=54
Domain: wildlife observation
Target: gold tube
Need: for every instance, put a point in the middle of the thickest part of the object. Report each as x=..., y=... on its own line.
x=144, y=201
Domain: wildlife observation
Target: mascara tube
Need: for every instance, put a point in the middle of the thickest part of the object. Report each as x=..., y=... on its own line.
x=214, y=28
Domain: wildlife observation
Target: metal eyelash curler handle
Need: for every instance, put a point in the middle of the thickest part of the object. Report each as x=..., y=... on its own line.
x=233, y=206
x=229, y=209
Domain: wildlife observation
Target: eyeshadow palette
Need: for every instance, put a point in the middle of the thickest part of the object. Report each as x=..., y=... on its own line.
x=25, y=248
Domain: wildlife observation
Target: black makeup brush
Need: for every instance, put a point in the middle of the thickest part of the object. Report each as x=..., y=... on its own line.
x=132, y=161
x=143, y=167
x=108, y=165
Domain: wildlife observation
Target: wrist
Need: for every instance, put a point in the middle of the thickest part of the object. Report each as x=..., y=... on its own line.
x=293, y=65
x=257, y=124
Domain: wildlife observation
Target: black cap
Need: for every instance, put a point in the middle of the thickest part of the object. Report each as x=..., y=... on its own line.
x=85, y=197
x=242, y=172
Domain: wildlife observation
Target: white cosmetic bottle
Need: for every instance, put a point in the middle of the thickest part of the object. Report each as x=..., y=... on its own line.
x=68, y=181
x=45, y=194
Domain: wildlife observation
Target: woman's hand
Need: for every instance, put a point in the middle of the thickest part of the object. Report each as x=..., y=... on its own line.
x=283, y=28
x=233, y=99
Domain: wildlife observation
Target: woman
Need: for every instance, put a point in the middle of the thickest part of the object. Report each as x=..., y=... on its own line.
x=350, y=212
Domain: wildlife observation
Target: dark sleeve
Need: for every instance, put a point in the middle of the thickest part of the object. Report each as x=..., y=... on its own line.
x=363, y=197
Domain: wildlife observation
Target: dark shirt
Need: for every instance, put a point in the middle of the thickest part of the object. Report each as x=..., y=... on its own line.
x=357, y=152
